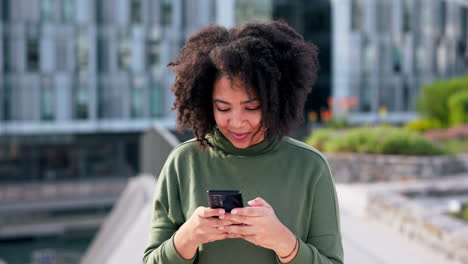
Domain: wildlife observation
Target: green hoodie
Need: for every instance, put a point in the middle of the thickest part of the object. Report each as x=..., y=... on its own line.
x=291, y=176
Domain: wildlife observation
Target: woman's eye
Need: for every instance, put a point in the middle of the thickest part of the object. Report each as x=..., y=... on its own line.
x=223, y=110
x=253, y=109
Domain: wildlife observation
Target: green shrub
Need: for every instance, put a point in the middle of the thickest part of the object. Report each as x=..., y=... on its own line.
x=318, y=138
x=458, y=105
x=423, y=125
x=433, y=102
x=379, y=140
x=337, y=123
x=456, y=145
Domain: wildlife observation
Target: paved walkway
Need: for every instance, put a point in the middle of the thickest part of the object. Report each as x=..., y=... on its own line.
x=366, y=241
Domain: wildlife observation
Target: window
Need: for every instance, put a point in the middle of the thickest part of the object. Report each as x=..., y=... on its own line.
x=369, y=57
x=406, y=96
x=443, y=17
x=32, y=54
x=110, y=99
x=137, y=96
x=102, y=54
x=81, y=96
x=135, y=11
x=357, y=15
x=463, y=43
x=82, y=51
x=153, y=52
x=124, y=56
x=407, y=17
x=396, y=58
x=6, y=100
x=47, y=98
x=61, y=55
x=5, y=10
x=32, y=47
x=213, y=11
x=421, y=59
x=247, y=11
x=317, y=19
x=47, y=10
x=100, y=14
x=68, y=11
x=6, y=53
x=464, y=23
x=166, y=12
x=156, y=99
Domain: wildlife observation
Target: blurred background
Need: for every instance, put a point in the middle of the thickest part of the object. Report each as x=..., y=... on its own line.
x=84, y=109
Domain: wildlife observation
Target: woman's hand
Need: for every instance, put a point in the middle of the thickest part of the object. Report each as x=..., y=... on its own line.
x=199, y=229
x=261, y=227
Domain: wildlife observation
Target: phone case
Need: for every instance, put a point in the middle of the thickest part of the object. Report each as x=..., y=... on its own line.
x=227, y=199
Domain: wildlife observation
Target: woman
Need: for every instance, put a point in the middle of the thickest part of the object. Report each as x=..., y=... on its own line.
x=241, y=91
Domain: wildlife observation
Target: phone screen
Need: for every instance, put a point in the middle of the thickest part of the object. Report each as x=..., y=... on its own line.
x=227, y=199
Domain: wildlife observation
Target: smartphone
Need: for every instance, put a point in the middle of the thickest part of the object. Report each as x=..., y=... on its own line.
x=227, y=199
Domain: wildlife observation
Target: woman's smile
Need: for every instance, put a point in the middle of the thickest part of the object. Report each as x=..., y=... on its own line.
x=240, y=136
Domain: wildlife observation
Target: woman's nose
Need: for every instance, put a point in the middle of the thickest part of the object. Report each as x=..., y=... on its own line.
x=236, y=120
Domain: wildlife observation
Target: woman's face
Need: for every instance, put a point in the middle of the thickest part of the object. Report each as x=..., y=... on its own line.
x=237, y=114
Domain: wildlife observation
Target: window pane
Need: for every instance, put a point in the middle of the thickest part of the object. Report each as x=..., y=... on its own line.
x=247, y=11
x=32, y=47
x=102, y=54
x=464, y=24
x=68, y=11
x=32, y=54
x=82, y=51
x=47, y=10
x=81, y=100
x=5, y=10
x=137, y=98
x=396, y=58
x=6, y=98
x=110, y=100
x=124, y=52
x=407, y=17
x=153, y=59
x=100, y=19
x=6, y=53
x=421, y=59
x=47, y=99
x=166, y=12
x=443, y=16
x=61, y=54
x=357, y=15
x=156, y=99
x=135, y=11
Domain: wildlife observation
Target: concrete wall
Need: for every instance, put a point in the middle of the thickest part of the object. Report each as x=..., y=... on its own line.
x=352, y=167
x=156, y=144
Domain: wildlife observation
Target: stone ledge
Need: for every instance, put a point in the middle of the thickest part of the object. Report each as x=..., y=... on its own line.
x=388, y=204
x=59, y=190
x=356, y=167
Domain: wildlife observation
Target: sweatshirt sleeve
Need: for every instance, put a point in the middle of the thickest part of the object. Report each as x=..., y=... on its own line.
x=323, y=244
x=167, y=217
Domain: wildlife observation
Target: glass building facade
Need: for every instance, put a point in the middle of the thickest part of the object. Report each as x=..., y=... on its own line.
x=385, y=50
x=80, y=80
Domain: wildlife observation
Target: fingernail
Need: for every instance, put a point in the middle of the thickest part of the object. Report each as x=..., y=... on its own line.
x=221, y=217
x=221, y=211
x=221, y=228
x=234, y=212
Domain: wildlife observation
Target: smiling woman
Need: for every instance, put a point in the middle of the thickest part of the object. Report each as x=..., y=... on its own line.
x=237, y=113
x=241, y=91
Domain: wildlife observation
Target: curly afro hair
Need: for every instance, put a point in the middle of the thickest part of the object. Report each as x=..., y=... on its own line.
x=271, y=58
